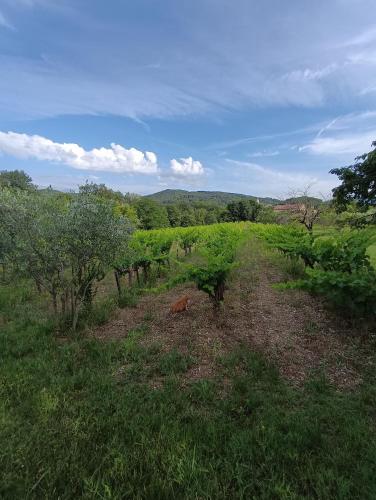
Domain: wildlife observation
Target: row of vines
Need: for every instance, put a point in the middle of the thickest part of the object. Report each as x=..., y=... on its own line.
x=68, y=245
x=215, y=251
x=336, y=267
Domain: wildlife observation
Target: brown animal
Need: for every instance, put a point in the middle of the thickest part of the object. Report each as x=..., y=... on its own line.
x=181, y=305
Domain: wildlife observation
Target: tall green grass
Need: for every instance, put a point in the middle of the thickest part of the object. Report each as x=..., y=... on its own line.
x=84, y=419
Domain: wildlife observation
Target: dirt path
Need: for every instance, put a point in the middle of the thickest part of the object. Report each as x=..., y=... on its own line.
x=290, y=327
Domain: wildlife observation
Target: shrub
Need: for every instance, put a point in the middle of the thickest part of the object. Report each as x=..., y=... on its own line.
x=353, y=293
x=345, y=252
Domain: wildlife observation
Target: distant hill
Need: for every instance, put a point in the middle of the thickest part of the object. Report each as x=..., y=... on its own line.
x=180, y=195
x=302, y=199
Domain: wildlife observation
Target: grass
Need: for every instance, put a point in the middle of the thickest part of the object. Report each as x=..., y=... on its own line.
x=80, y=418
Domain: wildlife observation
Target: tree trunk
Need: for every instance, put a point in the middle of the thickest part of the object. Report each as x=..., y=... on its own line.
x=219, y=294
x=118, y=285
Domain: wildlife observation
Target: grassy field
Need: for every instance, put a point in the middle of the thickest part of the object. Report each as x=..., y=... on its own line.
x=84, y=418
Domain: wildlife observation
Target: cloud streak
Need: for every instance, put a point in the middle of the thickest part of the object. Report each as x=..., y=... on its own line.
x=266, y=180
x=114, y=159
x=216, y=62
x=347, y=135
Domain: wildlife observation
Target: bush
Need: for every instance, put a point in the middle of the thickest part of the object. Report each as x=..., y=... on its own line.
x=337, y=267
x=346, y=252
x=353, y=293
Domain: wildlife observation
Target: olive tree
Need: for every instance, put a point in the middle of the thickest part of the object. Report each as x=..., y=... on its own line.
x=65, y=244
x=32, y=239
x=93, y=236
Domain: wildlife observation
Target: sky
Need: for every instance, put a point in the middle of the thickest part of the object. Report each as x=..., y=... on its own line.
x=261, y=98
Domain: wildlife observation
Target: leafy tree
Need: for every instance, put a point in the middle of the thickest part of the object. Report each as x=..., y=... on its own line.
x=244, y=210
x=188, y=217
x=32, y=226
x=15, y=179
x=152, y=215
x=200, y=215
x=65, y=245
x=266, y=215
x=93, y=237
x=358, y=182
x=212, y=216
x=101, y=190
x=174, y=214
x=128, y=211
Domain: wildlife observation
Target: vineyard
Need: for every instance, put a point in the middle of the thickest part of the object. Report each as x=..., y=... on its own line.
x=262, y=388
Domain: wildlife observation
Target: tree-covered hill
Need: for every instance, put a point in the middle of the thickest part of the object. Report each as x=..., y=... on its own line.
x=221, y=198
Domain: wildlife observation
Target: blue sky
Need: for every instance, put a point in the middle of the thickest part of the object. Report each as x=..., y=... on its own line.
x=262, y=98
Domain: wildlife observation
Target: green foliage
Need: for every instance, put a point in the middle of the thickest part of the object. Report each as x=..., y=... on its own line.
x=101, y=191
x=15, y=179
x=358, y=182
x=152, y=215
x=244, y=210
x=64, y=245
x=293, y=242
x=338, y=266
x=174, y=215
x=188, y=238
x=172, y=196
x=266, y=215
x=219, y=252
x=346, y=252
x=352, y=293
x=211, y=278
x=193, y=214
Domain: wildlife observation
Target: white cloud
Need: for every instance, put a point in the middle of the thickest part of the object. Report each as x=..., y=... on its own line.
x=186, y=167
x=114, y=159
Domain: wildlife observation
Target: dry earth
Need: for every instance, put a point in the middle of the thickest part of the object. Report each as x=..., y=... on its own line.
x=290, y=327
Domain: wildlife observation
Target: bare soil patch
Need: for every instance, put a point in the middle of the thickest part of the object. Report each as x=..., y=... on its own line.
x=290, y=327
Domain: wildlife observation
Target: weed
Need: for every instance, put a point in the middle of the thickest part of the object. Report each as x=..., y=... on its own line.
x=129, y=297
x=173, y=363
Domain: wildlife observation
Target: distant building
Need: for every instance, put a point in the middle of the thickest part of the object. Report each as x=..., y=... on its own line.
x=288, y=207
